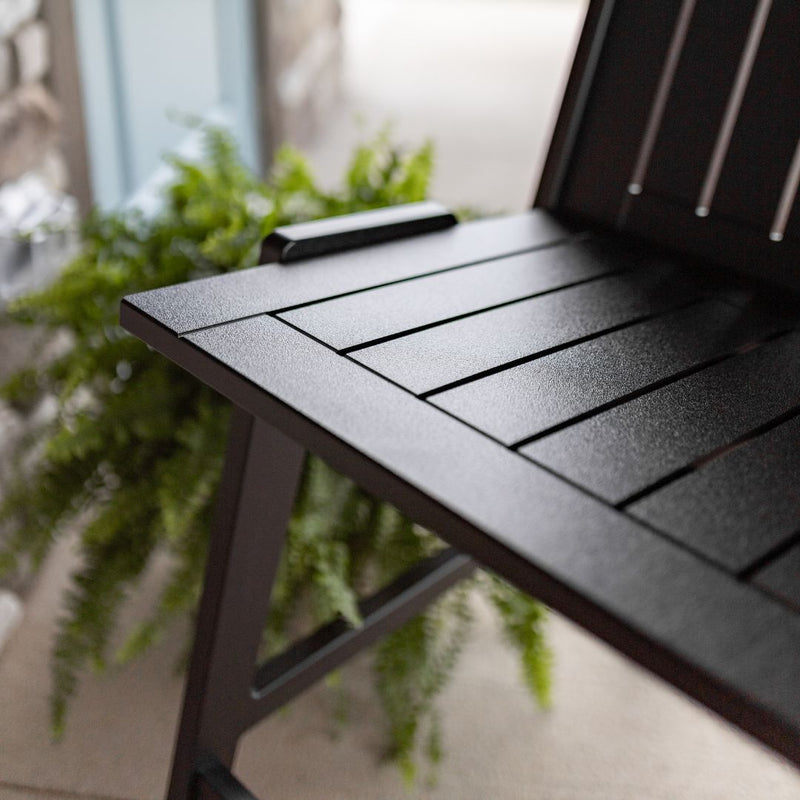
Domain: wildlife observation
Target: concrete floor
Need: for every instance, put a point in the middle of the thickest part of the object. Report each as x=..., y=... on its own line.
x=481, y=79
x=613, y=733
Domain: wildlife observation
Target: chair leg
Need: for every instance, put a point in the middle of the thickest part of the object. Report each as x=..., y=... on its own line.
x=259, y=483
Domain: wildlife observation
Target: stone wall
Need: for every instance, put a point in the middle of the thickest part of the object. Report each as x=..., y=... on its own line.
x=29, y=117
x=301, y=45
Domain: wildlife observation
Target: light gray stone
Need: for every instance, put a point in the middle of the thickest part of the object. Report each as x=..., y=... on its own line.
x=305, y=46
x=10, y=615
x=14, y=13
x=32, y=46
x=55, y=170
x=7, y=68
x=17, y=343
x=295, y=23
x=28, y=128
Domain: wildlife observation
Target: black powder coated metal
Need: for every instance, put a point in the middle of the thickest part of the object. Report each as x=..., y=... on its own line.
x=218, y=778
x=608, y=425
x=622, y=451
x=768, y=105
x=304, y=663
x=346, y=232
x=693, y=622
x=225, y=693
x=439, y=356
x=356, y=319
x=256, y=495
x=780, y=576
x=188, y=306
x=739, y=508
x=705, y=72
x=528, y=400
x=602, y=127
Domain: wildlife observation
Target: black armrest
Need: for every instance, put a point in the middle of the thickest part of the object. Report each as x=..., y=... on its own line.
x=318, y=238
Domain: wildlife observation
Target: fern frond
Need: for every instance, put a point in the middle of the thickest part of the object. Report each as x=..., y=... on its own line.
x=524, y=620
x=133, y=451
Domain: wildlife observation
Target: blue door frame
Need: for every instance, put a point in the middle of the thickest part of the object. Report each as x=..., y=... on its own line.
x=144, y=61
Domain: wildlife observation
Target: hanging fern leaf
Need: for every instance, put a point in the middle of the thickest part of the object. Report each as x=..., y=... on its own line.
x=133, y=451
x=523, y=620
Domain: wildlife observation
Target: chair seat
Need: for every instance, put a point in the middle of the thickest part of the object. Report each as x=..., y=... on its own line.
x=611, y=428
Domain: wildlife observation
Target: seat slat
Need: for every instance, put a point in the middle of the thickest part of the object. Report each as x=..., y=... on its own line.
x=436, y=357
x=520, y=402
x=739, y=507
x=714, y=637
x=626, y=449
x=781, y=578
x=367, y=316
x=191, y=306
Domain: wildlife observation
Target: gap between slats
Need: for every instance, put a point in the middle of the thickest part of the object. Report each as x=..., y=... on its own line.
x=703, y=205
x=744, y=575
x=517, y=362
x=732, y=109
x=620, y=507
x=576, y=237
x=475, y=312
x=771, y=555
x=651, y=387
x=714, y=454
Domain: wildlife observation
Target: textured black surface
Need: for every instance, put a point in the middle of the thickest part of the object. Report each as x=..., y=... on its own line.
x=753, y=177
x=782, y=578
x=626, y=449
x=438, y=356
x=712, y=636
x=525, y=400
x=697, y=101
x=189, y=306
x=617, y=108
x=348, y=231
x=739, y=507
x=371, y=315
x=590, y=178
x=728, y=640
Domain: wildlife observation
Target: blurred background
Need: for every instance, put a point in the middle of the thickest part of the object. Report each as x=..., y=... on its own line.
x=92, y=93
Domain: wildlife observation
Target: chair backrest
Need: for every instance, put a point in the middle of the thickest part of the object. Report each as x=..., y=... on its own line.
x=681, y=124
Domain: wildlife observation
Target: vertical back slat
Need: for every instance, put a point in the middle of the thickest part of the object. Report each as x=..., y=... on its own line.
x=788, y=199
x=733, y=108
x=695, y=112
x=614, y=116
x=665, y=81
x=764, y=141
x=689, y=134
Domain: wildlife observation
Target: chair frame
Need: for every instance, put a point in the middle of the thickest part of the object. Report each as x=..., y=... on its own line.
x=276, y=421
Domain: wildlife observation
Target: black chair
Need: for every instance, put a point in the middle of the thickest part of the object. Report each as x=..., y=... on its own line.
x=599, y=399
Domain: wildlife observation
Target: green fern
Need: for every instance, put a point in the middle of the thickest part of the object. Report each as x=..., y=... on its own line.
x=134, y=450
x=412, y=666
x=523, y=624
